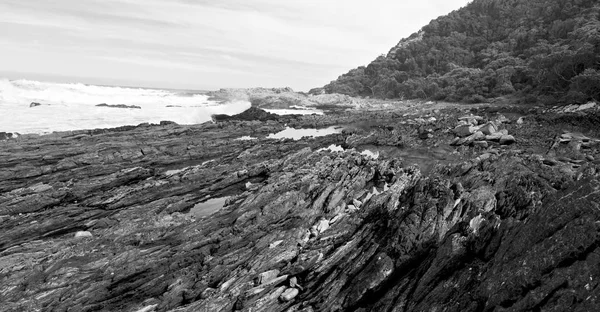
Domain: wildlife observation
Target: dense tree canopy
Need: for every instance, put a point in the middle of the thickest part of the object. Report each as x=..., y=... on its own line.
x=546, y=50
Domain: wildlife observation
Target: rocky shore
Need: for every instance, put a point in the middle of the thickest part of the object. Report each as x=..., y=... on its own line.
x=118, y=219
x=286, y=98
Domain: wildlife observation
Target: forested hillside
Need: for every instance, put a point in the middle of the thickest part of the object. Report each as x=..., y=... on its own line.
x=538, y=50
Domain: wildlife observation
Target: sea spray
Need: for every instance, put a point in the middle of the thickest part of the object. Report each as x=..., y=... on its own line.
x=66, y=106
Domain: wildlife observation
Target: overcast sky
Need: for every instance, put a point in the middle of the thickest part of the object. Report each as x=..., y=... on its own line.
x=203, y=44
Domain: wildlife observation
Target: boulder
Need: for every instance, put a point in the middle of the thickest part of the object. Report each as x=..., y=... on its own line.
x=83, y=234
x=488, y=129
x=494, y=137
x=550, y=162
x=289, y=294
x=472, y=120
x=502, y=119
x=507, y=139
x=464, y=130
x=477, y=136
x=322, y=226
x=267, y=276
x=482, y=144
x=5, y=135
x=34, y=104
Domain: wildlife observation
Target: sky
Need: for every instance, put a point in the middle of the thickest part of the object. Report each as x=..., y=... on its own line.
x=203, y=44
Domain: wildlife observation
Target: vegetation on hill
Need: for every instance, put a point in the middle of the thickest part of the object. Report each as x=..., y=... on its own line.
x=537, y=50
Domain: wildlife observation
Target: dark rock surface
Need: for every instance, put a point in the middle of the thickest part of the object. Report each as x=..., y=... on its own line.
x=98, y=220
x=5, y=135
x=253, y=113
x=118, y=106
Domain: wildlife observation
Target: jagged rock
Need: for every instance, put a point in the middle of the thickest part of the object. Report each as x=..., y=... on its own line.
x=149, y=308
x=471, y=120
x=507, y=233
x=322, y=226
x=267, y=276
x=477, y=136
x=464, y=130
x=488, y=129
x=494, y=137
x=253, y=113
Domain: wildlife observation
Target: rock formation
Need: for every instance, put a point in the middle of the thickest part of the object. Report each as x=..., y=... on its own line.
x=118, y=106
x=100, y=220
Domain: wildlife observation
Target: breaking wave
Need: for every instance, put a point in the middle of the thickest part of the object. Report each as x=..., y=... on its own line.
x=72, y=106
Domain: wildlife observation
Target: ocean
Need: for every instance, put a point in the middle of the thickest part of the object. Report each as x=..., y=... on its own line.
x=72, y=106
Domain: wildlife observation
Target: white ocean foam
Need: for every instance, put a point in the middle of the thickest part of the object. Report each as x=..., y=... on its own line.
x=73, y=106
x=332, y=148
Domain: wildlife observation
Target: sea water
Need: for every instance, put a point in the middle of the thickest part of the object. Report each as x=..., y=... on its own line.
x=72, y=106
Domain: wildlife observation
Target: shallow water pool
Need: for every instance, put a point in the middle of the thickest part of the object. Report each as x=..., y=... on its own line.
x=297, y=134
x=208, y=207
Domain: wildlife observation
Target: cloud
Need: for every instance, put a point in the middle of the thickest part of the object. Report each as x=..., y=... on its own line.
x=301, y=44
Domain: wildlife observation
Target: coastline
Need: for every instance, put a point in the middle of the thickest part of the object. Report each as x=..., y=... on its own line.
x=102, y=217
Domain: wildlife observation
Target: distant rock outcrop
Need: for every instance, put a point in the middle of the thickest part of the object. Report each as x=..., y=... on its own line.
x=253, y=113
x=6, y=135
x=284, y=98
x=118, y=106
